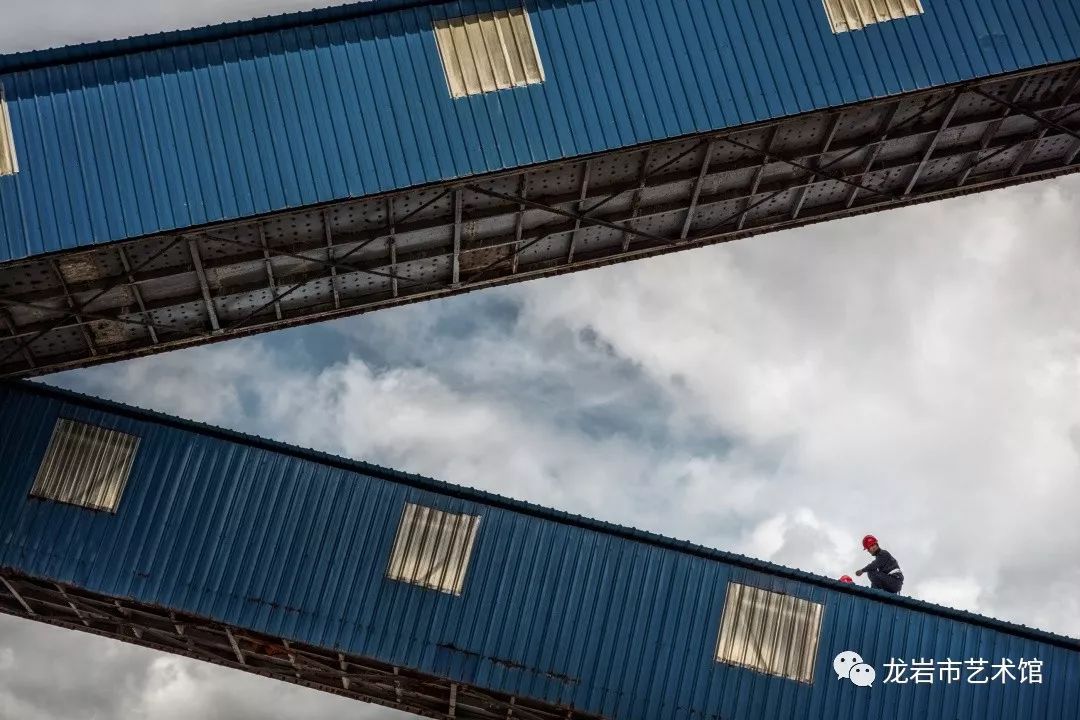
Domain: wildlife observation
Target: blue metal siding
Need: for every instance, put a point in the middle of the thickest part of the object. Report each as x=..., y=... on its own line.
x=332, y=105
x=560, y=610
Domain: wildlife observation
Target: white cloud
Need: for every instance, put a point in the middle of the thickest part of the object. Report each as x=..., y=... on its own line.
x=914, y=374
x=958, y=592
x=14, y=707
x=406, y=418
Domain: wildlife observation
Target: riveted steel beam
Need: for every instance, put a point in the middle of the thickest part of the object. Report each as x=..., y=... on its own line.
x=695, y=195
x=196, y=259
x=932, y=146
x=830, y=135
x=18, y=597
x=521, y=224
x=585, y=172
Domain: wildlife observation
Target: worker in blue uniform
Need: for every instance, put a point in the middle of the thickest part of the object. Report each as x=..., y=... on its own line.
x=883, y=571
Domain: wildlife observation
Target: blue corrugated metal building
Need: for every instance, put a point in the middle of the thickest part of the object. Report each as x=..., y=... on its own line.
x=268, y=557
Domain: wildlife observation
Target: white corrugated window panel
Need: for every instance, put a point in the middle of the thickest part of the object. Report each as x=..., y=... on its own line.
x=770, y=632
x=488, y=52
x=847, y=15
x=9, y=164
x=432, y=548
x=85, y=465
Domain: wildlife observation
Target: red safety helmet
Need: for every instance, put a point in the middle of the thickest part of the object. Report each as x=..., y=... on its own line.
x=868, y=542
x=846, y=579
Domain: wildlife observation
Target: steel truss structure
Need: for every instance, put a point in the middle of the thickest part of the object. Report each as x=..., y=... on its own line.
x=153, y=294
x=278, y=658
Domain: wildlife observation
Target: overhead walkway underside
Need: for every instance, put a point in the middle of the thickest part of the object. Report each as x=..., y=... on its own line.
x=319, y=668
x=158, y=293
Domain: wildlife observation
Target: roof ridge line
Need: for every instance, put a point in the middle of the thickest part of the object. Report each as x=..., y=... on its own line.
x=102, y=49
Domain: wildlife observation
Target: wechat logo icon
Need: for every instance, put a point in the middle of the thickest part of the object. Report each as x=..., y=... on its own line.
x=849, y=665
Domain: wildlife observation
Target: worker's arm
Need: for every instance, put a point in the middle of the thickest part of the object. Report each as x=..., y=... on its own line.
x=875, y=564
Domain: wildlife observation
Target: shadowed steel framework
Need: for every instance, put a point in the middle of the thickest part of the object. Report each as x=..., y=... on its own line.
x=181, y=189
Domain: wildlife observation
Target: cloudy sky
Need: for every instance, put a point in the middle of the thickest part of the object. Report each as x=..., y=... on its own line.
x=915, y=374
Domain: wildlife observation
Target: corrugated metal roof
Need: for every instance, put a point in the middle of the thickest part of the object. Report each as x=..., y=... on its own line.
x=554, y=607
x=184, y=129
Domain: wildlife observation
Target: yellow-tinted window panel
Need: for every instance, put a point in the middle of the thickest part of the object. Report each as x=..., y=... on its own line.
x=488, y=52
x=85, y=465
x=9, y=165
x=432, y=548
x=769, y=632
x=847, y=15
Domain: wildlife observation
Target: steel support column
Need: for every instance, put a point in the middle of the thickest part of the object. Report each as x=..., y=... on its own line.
x=830, y=135
x=329, y=236
x=584, y=193
x=695, y=195
x=456, y=271
x=391, y=245
x=933, y=143
x=344, y=669
x=874, y=149
x=269, y=265
x=235, y=647
x=74, y=308
x=72, y=605
x=635, y=201
x=519, y=223
x=15, y=593
x=134, y=285
x=196, y=259
x=758, y=174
